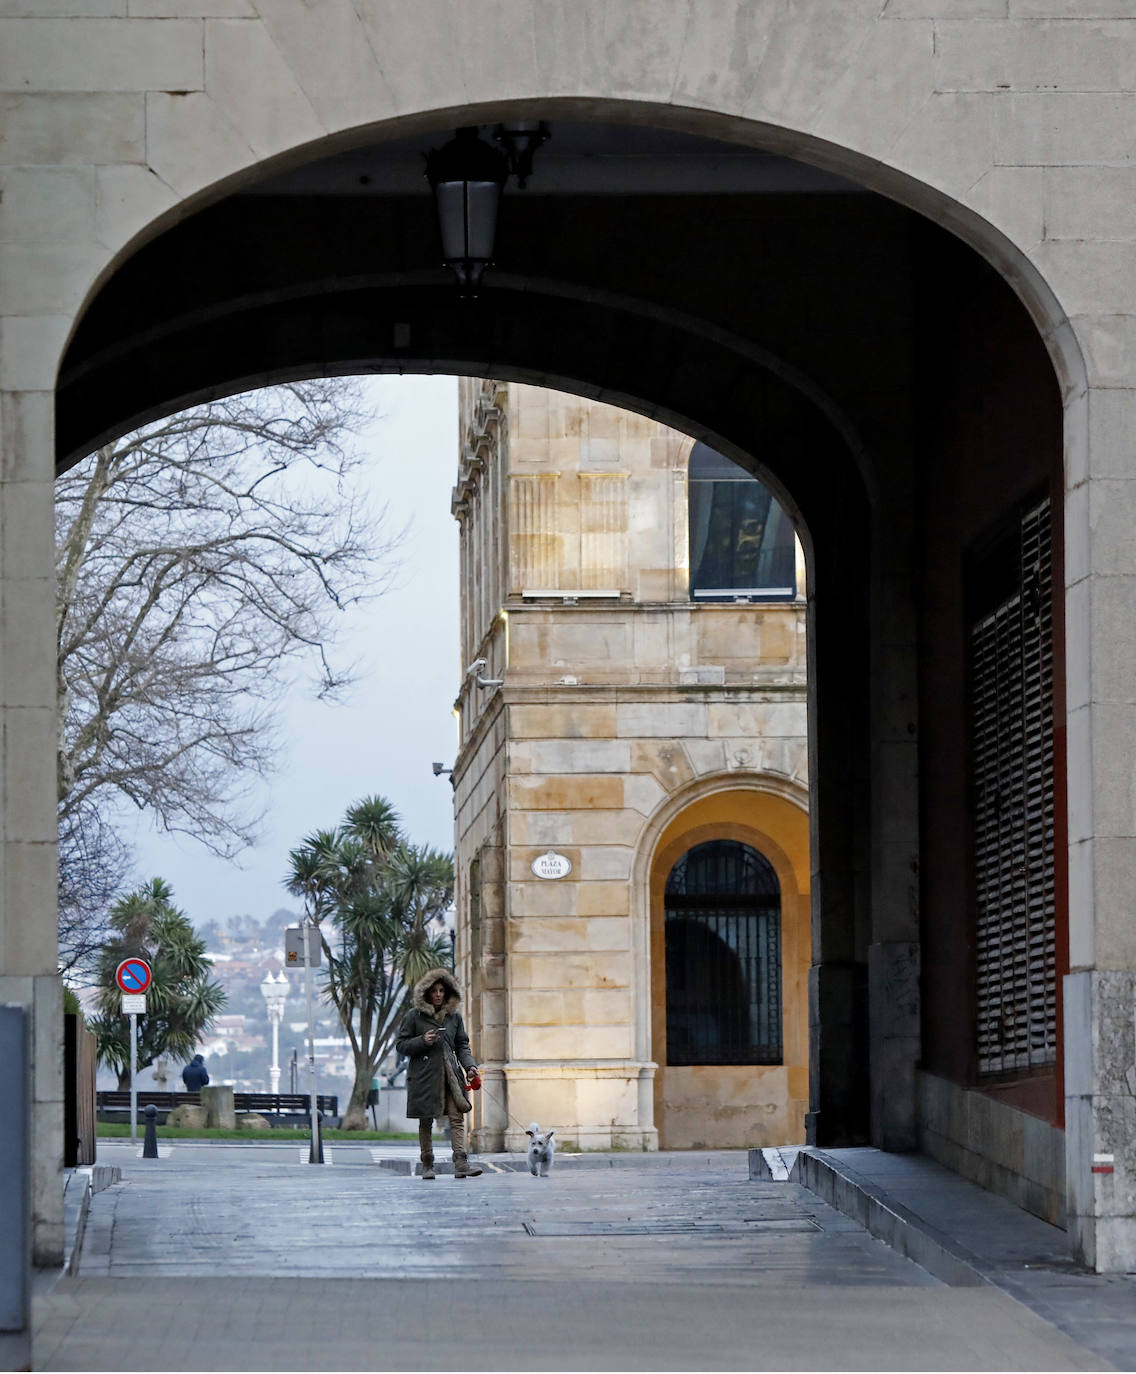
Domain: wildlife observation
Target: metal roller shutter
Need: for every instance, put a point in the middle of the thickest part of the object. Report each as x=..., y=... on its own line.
x=1012, y=734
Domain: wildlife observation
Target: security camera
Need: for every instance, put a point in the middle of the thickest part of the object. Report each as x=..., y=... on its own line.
x=476, y=668
x=439, y=769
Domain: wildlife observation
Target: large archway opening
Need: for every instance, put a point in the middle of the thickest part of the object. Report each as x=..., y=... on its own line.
x=884, y=379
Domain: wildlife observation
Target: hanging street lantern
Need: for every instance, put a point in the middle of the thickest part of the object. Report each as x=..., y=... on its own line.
x=467, y=176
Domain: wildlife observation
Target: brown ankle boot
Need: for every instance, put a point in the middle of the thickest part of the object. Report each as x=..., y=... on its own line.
x=428, y=1166
x=463, y=1168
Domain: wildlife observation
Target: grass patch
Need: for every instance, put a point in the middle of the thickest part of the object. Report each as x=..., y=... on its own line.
x=285, y=1134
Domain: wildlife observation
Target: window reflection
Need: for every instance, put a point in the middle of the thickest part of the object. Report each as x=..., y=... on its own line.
x=742, y=544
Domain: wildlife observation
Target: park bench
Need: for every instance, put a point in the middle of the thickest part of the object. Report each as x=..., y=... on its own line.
x=114, y=1105
x=326, y=1104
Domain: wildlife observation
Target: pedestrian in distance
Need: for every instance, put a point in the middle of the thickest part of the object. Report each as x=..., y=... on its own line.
x=195, y=1075
x=441, y=1070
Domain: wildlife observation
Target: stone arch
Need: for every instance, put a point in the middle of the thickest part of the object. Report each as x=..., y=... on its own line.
x=204, y=142
x=904, y=182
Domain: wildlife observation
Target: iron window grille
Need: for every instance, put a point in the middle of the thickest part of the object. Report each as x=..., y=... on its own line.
x=723, y=957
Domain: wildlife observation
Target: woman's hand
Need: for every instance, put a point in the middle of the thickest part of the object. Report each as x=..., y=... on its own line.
x=431, y=1036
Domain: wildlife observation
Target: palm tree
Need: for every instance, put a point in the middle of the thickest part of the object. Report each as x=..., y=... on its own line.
x=378, y=891
x=376, y=825
x=420, y=881
x=181, y=1001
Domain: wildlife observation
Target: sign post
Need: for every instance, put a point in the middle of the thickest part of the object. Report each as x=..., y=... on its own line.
x=133, y=1078
x=303, y=942
x=133, y=977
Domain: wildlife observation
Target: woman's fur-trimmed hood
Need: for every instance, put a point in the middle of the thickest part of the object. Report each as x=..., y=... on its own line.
x=426, y=982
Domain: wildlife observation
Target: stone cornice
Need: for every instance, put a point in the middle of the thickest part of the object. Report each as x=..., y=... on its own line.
x=663, y=693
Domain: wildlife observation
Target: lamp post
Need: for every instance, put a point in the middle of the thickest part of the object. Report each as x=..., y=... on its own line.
x=467, y=176
x=275, y=994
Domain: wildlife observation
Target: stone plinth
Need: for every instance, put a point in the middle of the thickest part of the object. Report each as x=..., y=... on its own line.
x=217, y=1099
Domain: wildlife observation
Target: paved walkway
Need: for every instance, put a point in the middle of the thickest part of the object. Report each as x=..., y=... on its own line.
x=241, y=1257
x=1020, y=1253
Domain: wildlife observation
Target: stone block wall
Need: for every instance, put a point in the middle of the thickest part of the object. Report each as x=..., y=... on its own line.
x=1006, y=121
x=1002, y=1149
x=621, y=700
x=563, y=1010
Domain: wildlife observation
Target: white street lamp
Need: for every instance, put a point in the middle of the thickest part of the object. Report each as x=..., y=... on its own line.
x=275, y=993
x=467, y=176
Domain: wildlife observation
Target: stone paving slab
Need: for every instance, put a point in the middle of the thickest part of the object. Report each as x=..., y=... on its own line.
x=485, y=1324
x=218, y=1258
x=1008, y=1247
x=190, y=1214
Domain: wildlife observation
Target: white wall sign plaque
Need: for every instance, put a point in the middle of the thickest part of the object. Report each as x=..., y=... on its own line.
x=552, y=865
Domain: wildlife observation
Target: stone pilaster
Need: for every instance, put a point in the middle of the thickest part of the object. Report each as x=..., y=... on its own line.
x=893, y=1034
x=27, y=766
x=1100, y=1117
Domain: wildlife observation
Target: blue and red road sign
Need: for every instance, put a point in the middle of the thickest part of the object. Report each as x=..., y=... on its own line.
x=133, y=975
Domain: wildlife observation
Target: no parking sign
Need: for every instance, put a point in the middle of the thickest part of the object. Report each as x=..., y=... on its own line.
x=133, y=975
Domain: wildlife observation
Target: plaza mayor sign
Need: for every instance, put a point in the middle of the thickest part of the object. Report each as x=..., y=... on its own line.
x=552, y=865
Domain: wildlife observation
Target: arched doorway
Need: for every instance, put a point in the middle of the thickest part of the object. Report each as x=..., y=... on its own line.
x=330, y=268
x=685, y=342
x=728, y=916
x=567, y=313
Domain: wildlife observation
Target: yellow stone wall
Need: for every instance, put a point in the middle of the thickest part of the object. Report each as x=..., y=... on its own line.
x=617, y=716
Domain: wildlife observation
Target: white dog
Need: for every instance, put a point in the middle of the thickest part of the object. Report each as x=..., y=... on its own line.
x=542, y=1148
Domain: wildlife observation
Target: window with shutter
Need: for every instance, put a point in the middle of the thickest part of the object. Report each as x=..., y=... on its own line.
x=1011, y=705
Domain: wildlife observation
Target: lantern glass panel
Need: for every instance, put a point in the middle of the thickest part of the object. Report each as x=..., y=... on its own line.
x=481, y=218
x=467, y=214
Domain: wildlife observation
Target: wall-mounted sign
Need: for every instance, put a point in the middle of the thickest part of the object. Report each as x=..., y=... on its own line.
x=552, y=865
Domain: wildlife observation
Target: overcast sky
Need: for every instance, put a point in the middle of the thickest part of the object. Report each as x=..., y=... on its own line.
x=397, y=719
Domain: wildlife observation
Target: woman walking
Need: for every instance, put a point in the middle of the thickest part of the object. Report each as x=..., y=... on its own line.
x=434, y=1040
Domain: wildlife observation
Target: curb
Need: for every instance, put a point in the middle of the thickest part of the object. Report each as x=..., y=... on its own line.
x=880, y=1214
x=81, y=1185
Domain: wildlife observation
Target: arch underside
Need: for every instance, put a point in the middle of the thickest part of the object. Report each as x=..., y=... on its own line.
x=881, y=376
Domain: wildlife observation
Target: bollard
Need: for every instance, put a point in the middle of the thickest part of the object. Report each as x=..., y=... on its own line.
x=150, y=1145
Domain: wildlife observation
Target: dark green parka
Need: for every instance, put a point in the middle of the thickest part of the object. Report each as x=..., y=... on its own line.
x=425, y=1073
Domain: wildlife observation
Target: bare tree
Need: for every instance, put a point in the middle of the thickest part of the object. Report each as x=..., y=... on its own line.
x=199, y=560
x=94, y=868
